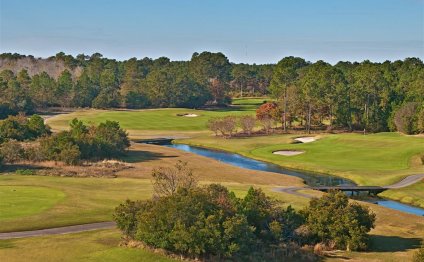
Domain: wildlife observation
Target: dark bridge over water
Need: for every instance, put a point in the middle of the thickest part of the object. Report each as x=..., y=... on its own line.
x=372, y=190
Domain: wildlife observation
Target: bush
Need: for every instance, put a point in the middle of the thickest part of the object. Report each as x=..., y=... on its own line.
x=107, y=140
x=12, y=151
x=209, y=221
x=25, y=172
x=21, y=128
x=333, y=219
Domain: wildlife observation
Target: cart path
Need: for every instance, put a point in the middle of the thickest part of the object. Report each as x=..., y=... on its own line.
x=58, y=230
x=407, y=181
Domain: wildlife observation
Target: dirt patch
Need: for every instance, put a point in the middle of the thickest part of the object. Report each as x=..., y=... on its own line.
x=288, y=152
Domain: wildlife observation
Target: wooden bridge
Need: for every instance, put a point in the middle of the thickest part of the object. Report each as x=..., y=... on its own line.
x=372, y=190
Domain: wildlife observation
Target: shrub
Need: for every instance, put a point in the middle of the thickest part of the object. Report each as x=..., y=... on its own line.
x=12, y=151
x=206, y=222
x=333, y=219
x=22, y=128
x=82, y=143
x=25, y=172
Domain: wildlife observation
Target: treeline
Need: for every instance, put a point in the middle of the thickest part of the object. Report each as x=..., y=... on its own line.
x=356, y=96
x=107, y=83
x=363, y=96
x=210, y=223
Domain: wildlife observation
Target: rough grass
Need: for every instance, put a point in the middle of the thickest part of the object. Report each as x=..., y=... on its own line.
x=94, y=199
x=33, y=199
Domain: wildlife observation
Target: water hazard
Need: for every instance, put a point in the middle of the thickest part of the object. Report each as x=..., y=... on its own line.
x=311, y=179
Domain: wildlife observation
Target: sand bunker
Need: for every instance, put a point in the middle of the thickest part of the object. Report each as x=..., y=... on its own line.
x=288, y=152
x=306, y=139
x=188, y=115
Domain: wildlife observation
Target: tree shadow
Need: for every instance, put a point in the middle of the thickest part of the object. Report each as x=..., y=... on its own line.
x=392, y=243
x=11, y=168
x=135, y=156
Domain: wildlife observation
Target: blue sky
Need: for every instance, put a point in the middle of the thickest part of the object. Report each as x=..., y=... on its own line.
x=246, y=31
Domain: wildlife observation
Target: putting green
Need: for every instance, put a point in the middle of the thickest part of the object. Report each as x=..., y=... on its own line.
x=20, y=201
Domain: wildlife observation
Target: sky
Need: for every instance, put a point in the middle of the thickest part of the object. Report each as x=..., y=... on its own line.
x=245, y=31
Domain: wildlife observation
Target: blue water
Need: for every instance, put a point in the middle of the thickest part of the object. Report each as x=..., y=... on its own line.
x=248, y=163
x=401, y=207
x=309, y=178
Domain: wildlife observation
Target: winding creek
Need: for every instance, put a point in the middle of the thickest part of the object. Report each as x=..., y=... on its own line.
x=309, y=178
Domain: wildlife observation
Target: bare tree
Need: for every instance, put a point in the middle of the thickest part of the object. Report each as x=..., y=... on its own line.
x=167, y=180
x=229, y=125
x=225, y=125
x=213, y=125
x=267, y=122
x=247, y=123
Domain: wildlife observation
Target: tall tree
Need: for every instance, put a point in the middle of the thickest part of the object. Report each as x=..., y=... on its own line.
x=64, y=90
x=285, y=76
x=212, y=70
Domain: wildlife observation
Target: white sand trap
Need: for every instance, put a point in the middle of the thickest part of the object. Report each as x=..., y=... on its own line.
x=288, y=152
x=190, y=115
x=306, y=139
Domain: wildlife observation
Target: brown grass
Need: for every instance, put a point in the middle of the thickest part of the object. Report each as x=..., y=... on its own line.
x=144, y=158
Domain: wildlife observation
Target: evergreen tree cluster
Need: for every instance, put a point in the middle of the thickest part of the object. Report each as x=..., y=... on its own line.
x=357, y=96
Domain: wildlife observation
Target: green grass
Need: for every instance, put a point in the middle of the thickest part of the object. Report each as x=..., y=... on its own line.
x=377, y=159
x=394, y=239
x=154, y=119
x=22, y=201
x=413, y=194
x=93, y=246
x=87, y=200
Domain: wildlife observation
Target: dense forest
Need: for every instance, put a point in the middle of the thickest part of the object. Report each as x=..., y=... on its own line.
x=356, y=96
